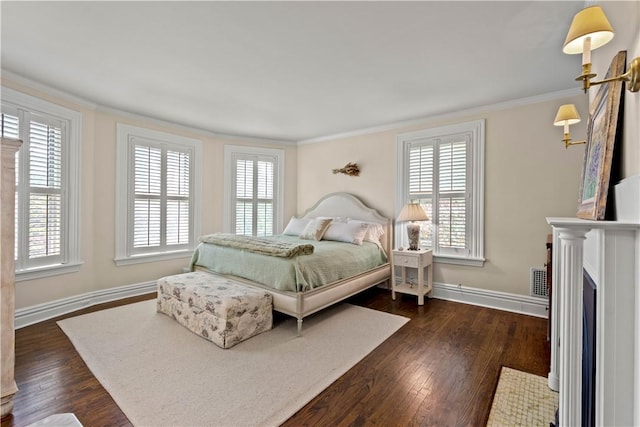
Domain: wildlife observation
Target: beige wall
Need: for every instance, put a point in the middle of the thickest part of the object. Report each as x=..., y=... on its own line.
x=98, y=203
x=624, y=17
x=529, y=175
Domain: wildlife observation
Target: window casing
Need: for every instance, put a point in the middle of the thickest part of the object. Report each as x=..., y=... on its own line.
x=253, y=190
x=47, y=184
x=158, y=188
x=443, y=169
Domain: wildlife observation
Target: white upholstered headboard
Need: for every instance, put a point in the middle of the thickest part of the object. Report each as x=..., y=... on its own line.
x=348, y=205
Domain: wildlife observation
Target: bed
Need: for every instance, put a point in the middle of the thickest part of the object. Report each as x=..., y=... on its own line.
x=309, y=294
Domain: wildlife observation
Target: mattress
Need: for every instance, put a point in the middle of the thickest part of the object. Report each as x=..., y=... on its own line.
x=330, y=262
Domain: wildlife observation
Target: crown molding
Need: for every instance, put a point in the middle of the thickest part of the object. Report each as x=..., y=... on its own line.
x=84, y=103
x=35, y=85
x=450, y=115
x=192, y=129
x=48, y=90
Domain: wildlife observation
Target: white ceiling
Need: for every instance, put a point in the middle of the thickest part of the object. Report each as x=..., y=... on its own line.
x=291, y=70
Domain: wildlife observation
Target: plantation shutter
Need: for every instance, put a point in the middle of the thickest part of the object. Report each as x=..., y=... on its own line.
x=421, y=185
x=9, y=124
x=452, y=196
x=178, y=204
x=437, y=179
x=161, y=198
x=443, y=169
x=39, y=207
x=254, y=195
x=148, y=192
x=47, y=209
x=45, y=189
x=9, y=127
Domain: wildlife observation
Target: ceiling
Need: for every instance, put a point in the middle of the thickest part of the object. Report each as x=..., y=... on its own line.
x=291, y=70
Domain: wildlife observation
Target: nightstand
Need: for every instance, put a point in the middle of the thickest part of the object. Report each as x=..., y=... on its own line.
x=420, y=260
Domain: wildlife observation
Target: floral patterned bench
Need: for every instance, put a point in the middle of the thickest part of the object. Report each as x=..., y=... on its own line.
x=218, y=309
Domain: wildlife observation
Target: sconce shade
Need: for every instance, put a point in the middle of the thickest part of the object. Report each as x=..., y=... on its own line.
x=567, y=114
x=589, y=22
x=412, y=212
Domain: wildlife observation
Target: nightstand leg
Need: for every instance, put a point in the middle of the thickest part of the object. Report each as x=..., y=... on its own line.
x=420, y=285
x=393, y=282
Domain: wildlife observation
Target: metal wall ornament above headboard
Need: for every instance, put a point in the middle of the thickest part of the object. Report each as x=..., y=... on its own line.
x=350, y=169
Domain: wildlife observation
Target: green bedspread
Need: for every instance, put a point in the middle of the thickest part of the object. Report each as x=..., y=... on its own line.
x=330, y=262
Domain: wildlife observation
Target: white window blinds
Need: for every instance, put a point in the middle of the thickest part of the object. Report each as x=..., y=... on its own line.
x=45, y=189
x=39, y=188
x=421, y=186
x=253, y=190
x=442, y=169
x=443, y=194
x=158, y=185
x=48, y=177
x=452, y=195
x=161, y=198
x=254, y=195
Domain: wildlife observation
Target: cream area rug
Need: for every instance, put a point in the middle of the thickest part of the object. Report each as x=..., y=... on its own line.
x=522, y=399
x=161, y=374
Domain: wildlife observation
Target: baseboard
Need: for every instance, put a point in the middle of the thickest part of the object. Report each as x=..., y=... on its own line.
x=492, y=299
x=41, y=312
x=521, y=304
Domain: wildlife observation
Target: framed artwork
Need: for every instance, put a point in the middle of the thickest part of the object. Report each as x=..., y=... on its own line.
x=601, y=137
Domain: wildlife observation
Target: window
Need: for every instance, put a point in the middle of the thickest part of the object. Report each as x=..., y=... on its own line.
x=47, y=184
x=158, y=180
x=443, y=170
x=253, y=190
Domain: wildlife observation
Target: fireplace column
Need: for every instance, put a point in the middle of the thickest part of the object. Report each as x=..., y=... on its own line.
x=554, y=313
x=570, y=328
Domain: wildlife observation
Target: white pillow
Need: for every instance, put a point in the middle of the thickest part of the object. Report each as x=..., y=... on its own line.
x=374, y=230
x=346, y=232
x=315, y=229
x=296, y=226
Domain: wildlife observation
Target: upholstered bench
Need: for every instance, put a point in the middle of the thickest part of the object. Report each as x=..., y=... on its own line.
x=218, y=309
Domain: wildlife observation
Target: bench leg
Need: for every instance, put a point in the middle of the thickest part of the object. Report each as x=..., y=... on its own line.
x=299, y=327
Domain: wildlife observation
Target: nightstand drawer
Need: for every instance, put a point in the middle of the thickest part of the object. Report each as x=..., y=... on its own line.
x=406, y=260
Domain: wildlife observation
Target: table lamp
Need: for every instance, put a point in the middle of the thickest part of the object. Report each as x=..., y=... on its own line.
x=413, y=212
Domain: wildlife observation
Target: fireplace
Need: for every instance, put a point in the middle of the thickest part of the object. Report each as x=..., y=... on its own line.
x=595, y=301
x=588, y=350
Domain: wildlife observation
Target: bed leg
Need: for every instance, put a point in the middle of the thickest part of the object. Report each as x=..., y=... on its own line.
x=299, y=327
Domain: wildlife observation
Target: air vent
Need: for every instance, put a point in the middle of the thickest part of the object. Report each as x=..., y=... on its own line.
x=538, y=282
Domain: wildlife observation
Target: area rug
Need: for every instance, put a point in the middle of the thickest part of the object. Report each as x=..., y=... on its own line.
x=522, y=399
x=161, y=374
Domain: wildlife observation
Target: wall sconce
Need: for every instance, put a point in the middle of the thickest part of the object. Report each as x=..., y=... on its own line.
x=590, y=30
x=567, y=115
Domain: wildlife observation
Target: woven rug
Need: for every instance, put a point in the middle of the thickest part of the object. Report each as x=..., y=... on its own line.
x=161, y=374
x=522, y=399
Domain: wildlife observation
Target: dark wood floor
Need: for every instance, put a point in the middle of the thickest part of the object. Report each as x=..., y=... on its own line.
x=440, y=369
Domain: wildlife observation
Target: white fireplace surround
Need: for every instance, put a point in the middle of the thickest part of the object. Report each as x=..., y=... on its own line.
x=609, y=251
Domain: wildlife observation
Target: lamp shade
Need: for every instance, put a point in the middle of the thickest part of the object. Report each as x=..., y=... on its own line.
x=412, y=212
x=589, y=22
x=567, y=114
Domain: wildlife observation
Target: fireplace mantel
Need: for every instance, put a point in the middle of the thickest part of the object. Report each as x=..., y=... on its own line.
x=610, y=253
